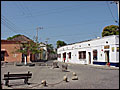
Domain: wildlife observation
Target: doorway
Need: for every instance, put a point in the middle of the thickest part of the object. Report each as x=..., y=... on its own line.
x=2, y=55
x=64, y=56
x=107, y=56
x=89, y=56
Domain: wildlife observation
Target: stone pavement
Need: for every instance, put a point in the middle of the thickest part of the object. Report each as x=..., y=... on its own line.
x=89, y=77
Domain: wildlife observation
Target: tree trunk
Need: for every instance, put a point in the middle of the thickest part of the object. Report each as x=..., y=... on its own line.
x=25, y=60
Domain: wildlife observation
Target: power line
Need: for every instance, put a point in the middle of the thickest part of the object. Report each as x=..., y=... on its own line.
x=111, y=12
x=71, y=25
x=3, y=17
x=73, y=34
x=78, y=24
x=19, y=8
x=27, y=9
x=56, y=10
x=23, y=8
x=10, y=25
x=10, y=28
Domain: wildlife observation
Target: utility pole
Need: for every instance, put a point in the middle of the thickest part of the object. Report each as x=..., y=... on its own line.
x=47, y=48
x=37, y=33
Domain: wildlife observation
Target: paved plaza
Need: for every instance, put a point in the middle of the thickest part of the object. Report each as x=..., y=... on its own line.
x=89, y=77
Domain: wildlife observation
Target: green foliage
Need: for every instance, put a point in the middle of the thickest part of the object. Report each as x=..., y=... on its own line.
x=50, y=48
x=60, y=43
x=110, y=30
x=30, y=47
x=10, y=38
x=34, y=48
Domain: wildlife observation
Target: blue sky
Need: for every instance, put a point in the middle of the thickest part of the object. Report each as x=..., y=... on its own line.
x=69, y=21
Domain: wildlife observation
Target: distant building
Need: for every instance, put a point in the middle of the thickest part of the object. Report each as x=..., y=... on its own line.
x=42, y=55
x=96, y=51
x=45, y=54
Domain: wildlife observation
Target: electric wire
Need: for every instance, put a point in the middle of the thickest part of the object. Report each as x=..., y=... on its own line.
x=8, y=21
x=71, y=25
x=57, y=10
x=19, y=8
x=111, y=12
x=10, y=25
x=55, y=26
x=27, y=9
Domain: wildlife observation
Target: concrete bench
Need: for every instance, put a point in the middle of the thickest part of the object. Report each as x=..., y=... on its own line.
x=24, y=76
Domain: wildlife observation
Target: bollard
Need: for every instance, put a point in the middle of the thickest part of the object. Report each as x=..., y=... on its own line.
x=43, y=83
x=74, y=74
x=75, y=78
x=65, y=79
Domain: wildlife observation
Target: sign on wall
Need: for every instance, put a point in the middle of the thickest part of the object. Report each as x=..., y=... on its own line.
x=112, y=49
x=106, y=47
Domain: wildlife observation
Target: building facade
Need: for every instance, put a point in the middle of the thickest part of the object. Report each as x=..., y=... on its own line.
x=8, y=53
x=96, y=51
x=9, y=47
x=42, y=55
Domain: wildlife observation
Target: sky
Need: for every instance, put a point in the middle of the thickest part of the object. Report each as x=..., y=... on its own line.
x=68, y=21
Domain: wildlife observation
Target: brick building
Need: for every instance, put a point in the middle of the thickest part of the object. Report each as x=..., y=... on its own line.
x=8, y=51
x=9, y=47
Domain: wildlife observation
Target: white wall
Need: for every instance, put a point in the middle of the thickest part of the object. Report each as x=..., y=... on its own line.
x=94, y=44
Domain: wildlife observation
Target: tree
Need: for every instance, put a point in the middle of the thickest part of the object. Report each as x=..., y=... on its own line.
x=60, y=43
x=10, y=38
x=50, y=48
x=29, y=48
x=110, y=30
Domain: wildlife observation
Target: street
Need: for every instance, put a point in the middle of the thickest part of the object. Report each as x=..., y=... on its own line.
x=89, y=77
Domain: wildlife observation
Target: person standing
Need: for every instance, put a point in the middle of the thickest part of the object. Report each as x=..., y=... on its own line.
x=64, y=60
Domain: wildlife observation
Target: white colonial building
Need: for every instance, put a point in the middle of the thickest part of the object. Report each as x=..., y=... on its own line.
x=96, y=51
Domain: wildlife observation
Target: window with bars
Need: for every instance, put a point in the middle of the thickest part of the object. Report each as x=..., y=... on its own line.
x=94, y=54
x=69, y=55
x=82, y=54
x=117, y=49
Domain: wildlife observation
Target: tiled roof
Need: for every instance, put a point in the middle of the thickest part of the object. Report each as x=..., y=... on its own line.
x=21, y=38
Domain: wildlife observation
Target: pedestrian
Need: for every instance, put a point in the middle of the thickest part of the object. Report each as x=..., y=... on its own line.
x=64, y=60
